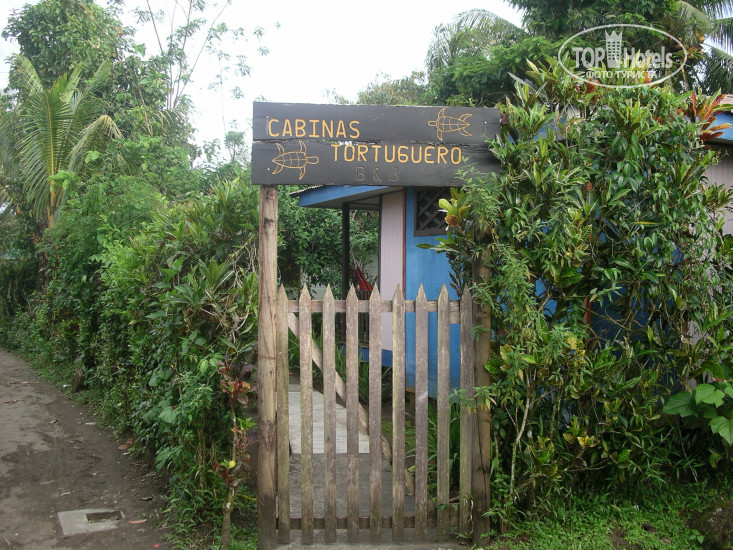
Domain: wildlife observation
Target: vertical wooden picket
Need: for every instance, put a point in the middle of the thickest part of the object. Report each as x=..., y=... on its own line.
x=425, y=509
x=398, y=416
x=375, y=416
x=466, y=439
x=352, y=417
x=306, y=412
x=283, y=422
x=421, y=416
x=443, y=412
x=329, y=402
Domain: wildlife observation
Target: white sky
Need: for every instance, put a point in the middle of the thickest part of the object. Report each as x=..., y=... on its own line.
x=321, y=45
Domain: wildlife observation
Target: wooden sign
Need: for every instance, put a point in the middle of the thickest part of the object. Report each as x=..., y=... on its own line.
x=370, y=144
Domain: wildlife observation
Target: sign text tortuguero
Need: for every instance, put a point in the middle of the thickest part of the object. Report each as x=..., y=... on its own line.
x=301, y=143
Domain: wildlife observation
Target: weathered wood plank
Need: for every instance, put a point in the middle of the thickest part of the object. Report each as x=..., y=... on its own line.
x=283, y=436
x=306, y=418
x=267, y=392
x=466, y=439
x=319, y=523
x=352, y=418
x=409, y=123
x=398, y=416
x=294, y=325
x=323, y=163
x=421, y=416
x=363, y=307
x=443, y=413
x=329, y=429
x=341, y=392
x=375, y=416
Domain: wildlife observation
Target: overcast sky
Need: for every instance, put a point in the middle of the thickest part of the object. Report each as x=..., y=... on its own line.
x=320, y=46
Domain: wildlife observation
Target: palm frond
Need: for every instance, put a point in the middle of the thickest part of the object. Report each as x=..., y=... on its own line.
x=470, y=32
x=716, y=9
x=688, y=12
x=95, y=137
x=99, y=77
x=717, y=72
x=29, y=80
x=70, y=84
x=722, y=34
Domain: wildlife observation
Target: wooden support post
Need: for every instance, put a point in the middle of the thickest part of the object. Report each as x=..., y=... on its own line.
x=481, y=458
x=266, y=344
x=345, y=248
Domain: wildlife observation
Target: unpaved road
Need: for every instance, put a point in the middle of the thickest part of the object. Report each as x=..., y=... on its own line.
x=54, y=457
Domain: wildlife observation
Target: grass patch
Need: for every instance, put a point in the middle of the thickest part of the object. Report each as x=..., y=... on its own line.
x=651, y=521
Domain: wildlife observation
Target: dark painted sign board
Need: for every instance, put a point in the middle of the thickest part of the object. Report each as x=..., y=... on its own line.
x=370, y=144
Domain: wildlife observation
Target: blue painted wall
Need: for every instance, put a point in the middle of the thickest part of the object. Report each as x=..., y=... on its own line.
x=432, y=270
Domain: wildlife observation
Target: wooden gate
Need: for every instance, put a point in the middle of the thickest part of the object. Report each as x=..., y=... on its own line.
x=441, y=514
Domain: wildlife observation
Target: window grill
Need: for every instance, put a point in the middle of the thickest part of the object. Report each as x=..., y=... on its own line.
x=429, y=220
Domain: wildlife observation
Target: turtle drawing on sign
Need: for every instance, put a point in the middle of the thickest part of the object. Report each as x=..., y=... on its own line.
x=447, y=123
x=293, y=159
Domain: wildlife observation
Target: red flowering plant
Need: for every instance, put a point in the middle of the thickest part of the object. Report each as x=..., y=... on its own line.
x=235, y=383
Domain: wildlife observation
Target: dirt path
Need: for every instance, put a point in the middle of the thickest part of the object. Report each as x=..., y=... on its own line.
x=54, y=458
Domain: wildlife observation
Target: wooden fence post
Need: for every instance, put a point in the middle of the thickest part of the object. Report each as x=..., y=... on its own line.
x=443, y=413
x=352, y=418
x=481, y=458
x=306, y=419
x=467, y=418
x=283, y=422
x=266, y=344
x=375, y=416
x=329, y=415
x=398, y=416
x=421, y=416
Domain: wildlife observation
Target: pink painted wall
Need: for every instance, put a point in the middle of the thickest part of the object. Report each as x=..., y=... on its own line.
x=391, y=256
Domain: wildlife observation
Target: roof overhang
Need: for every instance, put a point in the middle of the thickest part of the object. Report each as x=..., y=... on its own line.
x=358, y=197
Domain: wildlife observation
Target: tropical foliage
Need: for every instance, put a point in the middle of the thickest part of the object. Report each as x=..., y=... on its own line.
x=598, y=252
x=57, y=132
x=473, y=58
x=125, y=270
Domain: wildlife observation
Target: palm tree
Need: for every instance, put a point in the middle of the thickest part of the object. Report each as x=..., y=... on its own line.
x=704, y=26
x=711, y=21
x=470, y=33
x=53, y=131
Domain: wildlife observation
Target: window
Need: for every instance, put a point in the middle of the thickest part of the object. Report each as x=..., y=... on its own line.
x=429, y=220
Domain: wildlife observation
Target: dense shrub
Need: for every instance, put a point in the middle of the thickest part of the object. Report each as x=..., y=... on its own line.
x=144, y=299
x=599, y=255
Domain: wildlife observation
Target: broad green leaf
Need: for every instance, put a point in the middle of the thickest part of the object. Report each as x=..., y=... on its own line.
x=168, y=415
x=724, y=427
x=703, y=392
x=681, y=403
